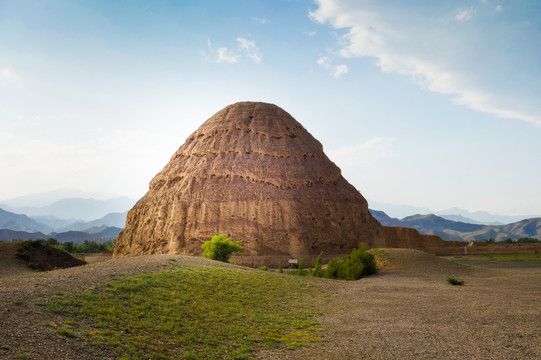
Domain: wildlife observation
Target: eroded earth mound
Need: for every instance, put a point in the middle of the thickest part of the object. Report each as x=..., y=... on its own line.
x=252, y=172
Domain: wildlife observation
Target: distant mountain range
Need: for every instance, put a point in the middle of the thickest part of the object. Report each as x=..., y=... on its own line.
x=69, y=219
x=454, y=214
x=49, y=197
x=456, y=230
x=107, y=233
x=75, y=208
x=18, y=222
x=102, y=216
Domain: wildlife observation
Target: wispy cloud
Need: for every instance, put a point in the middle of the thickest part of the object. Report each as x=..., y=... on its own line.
x=8, y=74
x=498, y=9
x=368, y=35
x=249, y=48
x=244, y=48
x=339, y=70
x=227, y=56
x=336, y=71
x=262, y=21
x=462, y=15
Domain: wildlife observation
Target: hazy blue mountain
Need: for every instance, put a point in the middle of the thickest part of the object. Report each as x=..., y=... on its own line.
x=99, y=234
x=55, y=223
x=107, y=233
x=18, y=222
x=110, y=220
x=79, y=208
x=456, y=230
x=49, y=197
x=455, y=214
x=6, y=235
x=484, y=217
x=398, y=211
x=461, y=218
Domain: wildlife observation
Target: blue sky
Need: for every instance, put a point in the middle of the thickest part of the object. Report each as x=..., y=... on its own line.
x=428, y=103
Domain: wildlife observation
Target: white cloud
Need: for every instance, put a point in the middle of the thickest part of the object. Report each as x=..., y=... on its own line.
x=251, y=50
x=336, y=71
x=498, y=8
x=324, y=61
x=463, y=15
x=261, y=21
x=245, y=47
x=310, y=33
x=227, y=56
x=370, y=36
x=373, y=150
x=8, y=74
x=339, y=70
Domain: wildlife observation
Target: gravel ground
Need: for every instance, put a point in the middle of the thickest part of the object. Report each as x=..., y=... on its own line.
x=406, y=312
x=410, y=312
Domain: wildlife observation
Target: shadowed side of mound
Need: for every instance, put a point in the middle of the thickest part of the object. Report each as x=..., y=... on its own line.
x=416, y=262
x=10, y=265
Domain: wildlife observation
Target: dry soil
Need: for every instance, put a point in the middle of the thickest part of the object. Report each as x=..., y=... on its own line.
x=408, y=311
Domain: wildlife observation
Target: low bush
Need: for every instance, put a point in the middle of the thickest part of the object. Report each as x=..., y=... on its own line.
x=353, y=267
x=454, y=281
x=220, y=248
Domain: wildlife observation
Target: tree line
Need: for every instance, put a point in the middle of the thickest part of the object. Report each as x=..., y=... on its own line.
x=524, y=240
x=88, y=246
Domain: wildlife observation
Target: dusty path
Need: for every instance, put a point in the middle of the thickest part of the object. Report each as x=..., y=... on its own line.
x=406, y=312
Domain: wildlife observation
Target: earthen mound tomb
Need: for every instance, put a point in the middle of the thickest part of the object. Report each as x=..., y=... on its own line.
x=253, y=172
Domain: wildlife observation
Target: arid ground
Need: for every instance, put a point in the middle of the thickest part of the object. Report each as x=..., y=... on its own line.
x=407, y=311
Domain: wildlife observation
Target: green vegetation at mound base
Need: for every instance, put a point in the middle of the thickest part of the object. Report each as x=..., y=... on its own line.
x=196, y=313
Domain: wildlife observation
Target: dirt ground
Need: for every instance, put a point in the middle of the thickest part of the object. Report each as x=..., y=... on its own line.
x=408, y=311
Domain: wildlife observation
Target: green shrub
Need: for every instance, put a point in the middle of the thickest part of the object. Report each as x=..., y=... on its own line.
x=280, y=269
x=220, y=248
x=334, y=269
x=454, y=281
x=318, y=268
x=264, y=268
x=353, y=267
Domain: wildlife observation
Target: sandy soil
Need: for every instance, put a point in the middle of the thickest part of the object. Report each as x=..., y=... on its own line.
x=406, y=312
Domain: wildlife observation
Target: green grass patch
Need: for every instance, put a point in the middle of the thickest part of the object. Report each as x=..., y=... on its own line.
x=530, y=258
x=65, y=332
x=71, y=322
x=198, y=312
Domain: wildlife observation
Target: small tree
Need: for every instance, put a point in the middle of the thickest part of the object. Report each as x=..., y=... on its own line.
x=318, y=268
x=220, y=248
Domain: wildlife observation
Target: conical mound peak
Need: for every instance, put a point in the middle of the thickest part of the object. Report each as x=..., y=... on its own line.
x=253, y=172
